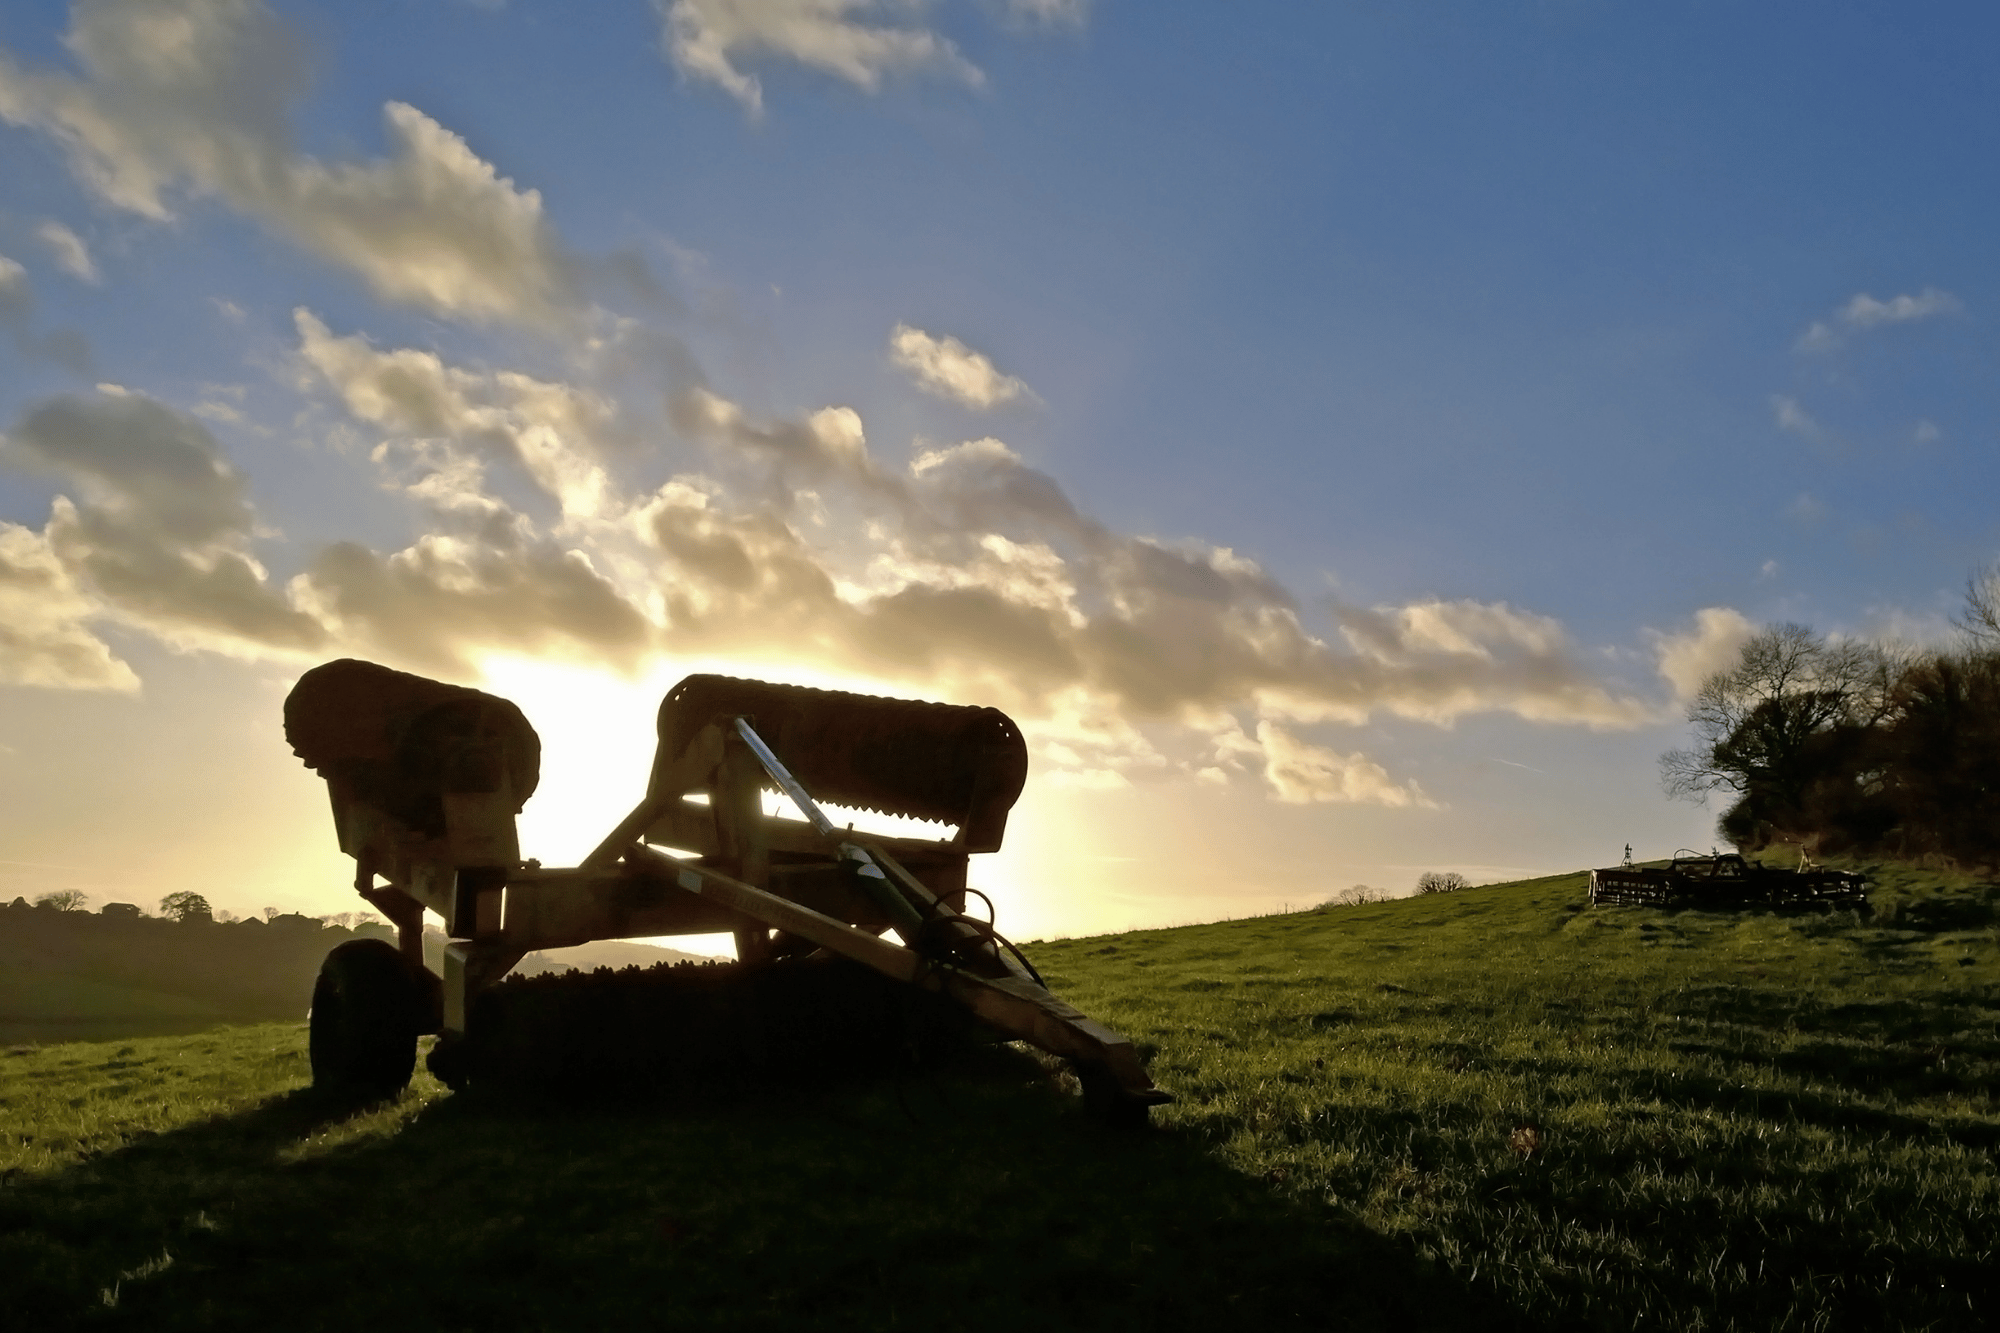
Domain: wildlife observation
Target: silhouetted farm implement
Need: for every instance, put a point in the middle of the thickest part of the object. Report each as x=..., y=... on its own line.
x=840, y=936
x=1726, y=880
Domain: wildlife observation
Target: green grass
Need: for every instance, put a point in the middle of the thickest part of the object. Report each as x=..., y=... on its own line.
x=1462, y=1111
x=51, y=1006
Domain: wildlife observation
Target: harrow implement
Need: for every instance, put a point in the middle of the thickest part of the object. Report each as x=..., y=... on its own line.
x=426, y=779
x=1726, y=880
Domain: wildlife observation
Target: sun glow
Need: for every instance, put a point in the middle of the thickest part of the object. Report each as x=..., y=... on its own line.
x=598, y=739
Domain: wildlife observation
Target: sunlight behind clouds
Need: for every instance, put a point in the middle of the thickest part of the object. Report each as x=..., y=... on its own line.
x=1272, y=438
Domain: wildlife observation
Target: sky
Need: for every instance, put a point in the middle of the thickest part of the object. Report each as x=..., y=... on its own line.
x=1341, y=435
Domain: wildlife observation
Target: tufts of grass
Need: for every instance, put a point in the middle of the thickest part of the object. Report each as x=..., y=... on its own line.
x=1627, y=1116
x=1480, y=1109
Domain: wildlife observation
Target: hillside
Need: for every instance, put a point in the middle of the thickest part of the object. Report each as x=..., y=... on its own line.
x=83, y=976
x=1467, y=1110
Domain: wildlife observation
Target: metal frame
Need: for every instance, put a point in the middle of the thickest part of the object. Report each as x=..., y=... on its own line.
x=1724, y=880
x=778, y=886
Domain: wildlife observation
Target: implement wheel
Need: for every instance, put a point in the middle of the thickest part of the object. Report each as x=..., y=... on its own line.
x=449, y=1061
x=365, y=1013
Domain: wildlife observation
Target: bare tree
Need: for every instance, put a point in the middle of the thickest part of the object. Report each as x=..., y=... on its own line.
x=64, y=900
x=1440, y=881
x=1354, y=896
x=1753, y=721
x=1981, y=617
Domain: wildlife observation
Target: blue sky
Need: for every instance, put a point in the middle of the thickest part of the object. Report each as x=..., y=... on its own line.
x=1341, y=433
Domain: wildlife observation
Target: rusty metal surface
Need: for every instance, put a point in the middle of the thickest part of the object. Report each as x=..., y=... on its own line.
x=426, y=778
x=947, y=763
x=400, y=742
x=1725, y=881
x=690, y=1024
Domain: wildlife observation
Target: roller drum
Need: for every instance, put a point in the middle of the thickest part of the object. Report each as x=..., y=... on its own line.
x=946, y=763
x=399, y=742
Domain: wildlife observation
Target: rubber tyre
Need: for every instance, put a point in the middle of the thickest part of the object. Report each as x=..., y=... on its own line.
x=450, y=1062
x=365, y=1013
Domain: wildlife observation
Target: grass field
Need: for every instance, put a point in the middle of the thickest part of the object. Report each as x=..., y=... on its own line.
x=1487, y=1109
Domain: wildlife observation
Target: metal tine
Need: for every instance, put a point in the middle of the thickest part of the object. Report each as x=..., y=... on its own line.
x=880, y=873
x=783, y=777
x=909, y=921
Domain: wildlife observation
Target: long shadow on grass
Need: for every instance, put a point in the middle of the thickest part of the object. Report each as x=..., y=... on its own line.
x=969, y=1198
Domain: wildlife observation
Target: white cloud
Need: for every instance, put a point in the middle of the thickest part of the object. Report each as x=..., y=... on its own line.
x=780, y=462
x=1437, y=660
x=1301, y=773
x=1688, y=658
x=1926, y=432
x=196, y=95
x=17, y=298
x=1794, y=418
x=976, y=571
x=65, y=347
x=1052, y=13
x=551, y=430
x=45, y=639
x=446, y=600
x=159, y=528
x=1864, y=312
x=72, y=256
x=970, y=575
x=706, y=38
x=948, y=368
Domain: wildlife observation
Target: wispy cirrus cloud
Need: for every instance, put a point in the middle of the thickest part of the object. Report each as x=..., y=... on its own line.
x=1863, y=312
x=72, y=256
x=1792, y=418
x=1052, y=13
x=17, y=298
x=710, y=39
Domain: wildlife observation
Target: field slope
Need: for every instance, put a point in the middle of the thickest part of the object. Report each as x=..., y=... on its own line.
x=1491, y=1108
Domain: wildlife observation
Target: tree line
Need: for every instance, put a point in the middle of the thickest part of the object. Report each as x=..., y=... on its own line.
x=190, y=908
x=1849, y=746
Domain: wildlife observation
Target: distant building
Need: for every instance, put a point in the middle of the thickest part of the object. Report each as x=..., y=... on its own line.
x=123, y=911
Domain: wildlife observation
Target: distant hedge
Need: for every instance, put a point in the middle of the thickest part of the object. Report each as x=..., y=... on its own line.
x=251, y=971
